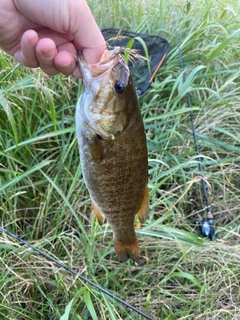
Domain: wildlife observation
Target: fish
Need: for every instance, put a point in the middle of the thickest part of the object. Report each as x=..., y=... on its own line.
x=113, y=149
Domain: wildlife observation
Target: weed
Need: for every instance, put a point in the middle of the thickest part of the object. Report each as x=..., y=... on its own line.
x=44, y=200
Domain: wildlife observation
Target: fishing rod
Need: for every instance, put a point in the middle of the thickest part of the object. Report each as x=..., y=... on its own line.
x=206, y=227
x=84, y=279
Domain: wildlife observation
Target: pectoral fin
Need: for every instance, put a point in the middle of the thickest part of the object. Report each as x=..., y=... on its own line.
x=144, y=208
x=96, y=149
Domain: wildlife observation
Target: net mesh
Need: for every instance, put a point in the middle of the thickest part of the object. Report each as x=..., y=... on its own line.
x=157, y=48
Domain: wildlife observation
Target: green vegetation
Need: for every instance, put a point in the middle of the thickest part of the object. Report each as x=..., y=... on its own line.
x=43, y=198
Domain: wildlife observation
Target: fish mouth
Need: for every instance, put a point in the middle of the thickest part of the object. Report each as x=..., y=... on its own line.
x=107, y=62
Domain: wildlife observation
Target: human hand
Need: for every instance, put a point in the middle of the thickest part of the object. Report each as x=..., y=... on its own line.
x=48, y=34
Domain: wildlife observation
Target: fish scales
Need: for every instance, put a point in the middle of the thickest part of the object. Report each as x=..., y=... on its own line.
x=113, y=149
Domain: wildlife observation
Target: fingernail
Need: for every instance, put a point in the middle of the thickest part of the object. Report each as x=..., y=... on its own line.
x=65, y=65
x=49, y=53
x=33, y=39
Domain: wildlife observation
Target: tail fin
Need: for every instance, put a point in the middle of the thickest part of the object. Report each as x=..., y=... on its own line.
x=125, y=251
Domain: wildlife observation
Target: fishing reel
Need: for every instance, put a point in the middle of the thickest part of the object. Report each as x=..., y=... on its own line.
x=206, y=227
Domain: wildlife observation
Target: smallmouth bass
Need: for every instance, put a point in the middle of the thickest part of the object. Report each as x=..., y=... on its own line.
x=113, y=149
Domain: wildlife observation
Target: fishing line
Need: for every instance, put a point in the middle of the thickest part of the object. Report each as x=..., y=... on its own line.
x=206, y=226
x=61, y=265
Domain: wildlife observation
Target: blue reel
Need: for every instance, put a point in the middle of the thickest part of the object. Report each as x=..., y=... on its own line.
x=206, y=228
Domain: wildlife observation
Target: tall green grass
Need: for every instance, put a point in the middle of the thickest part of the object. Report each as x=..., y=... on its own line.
x=43, y=198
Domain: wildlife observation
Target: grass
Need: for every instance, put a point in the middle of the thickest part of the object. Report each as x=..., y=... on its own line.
x=43, y=198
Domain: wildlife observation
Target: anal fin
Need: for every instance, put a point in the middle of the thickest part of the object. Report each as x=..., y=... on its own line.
x=144, y=208
x=100, y=217
x=137, y=224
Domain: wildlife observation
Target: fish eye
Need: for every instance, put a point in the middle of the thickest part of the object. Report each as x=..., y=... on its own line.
x=120, y=86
